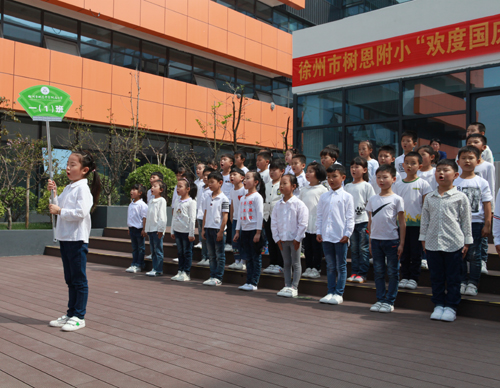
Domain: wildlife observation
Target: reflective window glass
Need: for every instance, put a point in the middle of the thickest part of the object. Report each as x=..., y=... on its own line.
x=245, y=78
x=22, y=15
x=95, y=35
x=127, y=61
x=314, y=140
x=95, y=53
x=246, y=6
x=23, y=35
x=263, y=83
x=203, y=66
x=180, y=60
x=280, y=20
x=264, y=12
x=59, y=26
x=125, y=44
x=319, y=109
x=372, y=102
x=485, y=78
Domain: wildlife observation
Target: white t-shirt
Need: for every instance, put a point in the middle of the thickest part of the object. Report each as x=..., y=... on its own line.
x=214, y=207
x=487, y=171
x=310, y=196
x=384, y=211
x=413, y=196
x=175, y=197
x=235, y=197
x=227, y=186
x=288, y=169
x=302, y=182
x=376, y=188
x=200, y=201
x=265, y=176
x=399, y=164
x=477, y=191
x=429, y=177
x=136, y=212
x=251, y=212
x=150, y=196
x=372, y=168
x=487, y=155
x=361, y=193
x=244, y=169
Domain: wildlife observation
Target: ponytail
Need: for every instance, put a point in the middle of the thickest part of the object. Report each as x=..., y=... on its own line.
x=87, y=160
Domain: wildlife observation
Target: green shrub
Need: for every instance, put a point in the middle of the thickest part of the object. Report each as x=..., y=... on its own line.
x=142, y=174
x=2, y=210
x=19, y=202
x=106, y=188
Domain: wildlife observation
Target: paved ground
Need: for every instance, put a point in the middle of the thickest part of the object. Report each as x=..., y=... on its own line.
x=144, y=332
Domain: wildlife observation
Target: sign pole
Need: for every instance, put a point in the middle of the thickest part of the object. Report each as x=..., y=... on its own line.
x=51, y=176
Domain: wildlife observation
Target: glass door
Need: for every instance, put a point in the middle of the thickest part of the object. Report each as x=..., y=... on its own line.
x=486, y=109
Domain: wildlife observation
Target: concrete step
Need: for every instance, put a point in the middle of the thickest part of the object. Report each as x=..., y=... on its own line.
x=483, y=306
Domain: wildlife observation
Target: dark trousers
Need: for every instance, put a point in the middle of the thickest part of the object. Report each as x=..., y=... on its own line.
x=473, y=257
x=313, y=251
x=251, y=253
x=229, y=231
x=138, y=246
x=445, y=270
x=275, y=257
x=74, y=258
x=411, y=259
x=184, y=251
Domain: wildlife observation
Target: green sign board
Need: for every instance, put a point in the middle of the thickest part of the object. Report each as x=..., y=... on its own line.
x=45, y=103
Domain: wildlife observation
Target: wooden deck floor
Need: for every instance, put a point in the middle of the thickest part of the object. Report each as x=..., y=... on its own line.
x=152, y=332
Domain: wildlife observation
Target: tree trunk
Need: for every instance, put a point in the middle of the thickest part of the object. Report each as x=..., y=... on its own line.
x=109, y=199
x=27, y=217
x=9, y=218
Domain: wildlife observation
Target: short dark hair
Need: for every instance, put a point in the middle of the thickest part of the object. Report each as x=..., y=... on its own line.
x=479, y=136
x=331, y=152
x=292, y=150
x=278, y=164
x=359, y=161
x=193, y=189
x=333, y=147
x=480, y=126
x=216, y=175
x=243, y=154
x=388, y=148
x=319, y=170
x=336, y=167
x=435, y=140
x=415, y=155
x=158, y=174
x=293, y=179
x=301, y=157
x=211, y=161
x=472, y=149
x=387, y=168
x=266, y=155
x=237, y=170
x=141, y=189
x=411, y=134
x=430, y=151
x=448, y=162
x=208, y=169
x=181, y=170
x=229, y=156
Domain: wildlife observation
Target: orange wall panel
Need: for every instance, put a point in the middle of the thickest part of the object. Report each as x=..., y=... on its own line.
x=192, y=127
x=217, y=15
x=236, y=22
x=174, y=92
x=253, y=51
x=174, y=119
x=197, y=32
x=32, y=62
x=176, y=25
x=284, y=62
x=7, y=88
x=153, y=17
x=121, y=110
x=269, y=35
x=216, y=96
x=252, y=133
x=196, y=98
x=151, y=89
x=122, y=82
x=96, y=75
x=21, y=83
x=96, y=106
x=76, y=96
x=7, y=57
x=284, y=41
x=198, y=9
x=217, y=39
x=235, y=45
x=269, y=135
x=253, y=110
x=269, y=57
x=267, y=115
x=179, y=6
x=253, y=29
x=150, y=115
x=128, y=11
x=161, y=3
x=65, y=69
x=282, y=115
x=296, y=4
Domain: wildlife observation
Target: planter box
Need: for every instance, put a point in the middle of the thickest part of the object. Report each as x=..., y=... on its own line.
x=115, y=216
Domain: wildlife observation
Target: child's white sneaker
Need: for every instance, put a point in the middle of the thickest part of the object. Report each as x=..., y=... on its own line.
x=463, y=287
x=351, y=278
x=386, y=308
x=336, y=299
x=153, y=273
x=471, y=290
x=484, y=270
x=269, y=269
x=424, y=264
x=326, y=299
x=376, y=307
x=183, y=277
x=131, y=269
x=306, y=273
x=314, y=274
x=228, y=248
x=149, y=257
x=176, y=277
x=59, y=322
x=244, y=286
x=403, y=283
x=198, y=246
x=206, y=282
x=232, y=266
x=411, y=284
x=449, y=315
x=437, y=313
x=74, y=323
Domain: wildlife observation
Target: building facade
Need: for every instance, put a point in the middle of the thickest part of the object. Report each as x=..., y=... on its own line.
x=424, y=65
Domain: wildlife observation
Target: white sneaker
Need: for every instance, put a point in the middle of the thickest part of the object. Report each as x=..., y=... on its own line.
x=411, y=285
x=471, y=290
x=198, y=246
x=149, y=257
x=153, y=273
x=283, y=291
x=386, y=308
x=244, y=286
x=403, y=283
x=205, y=263
x=183, y=277
x=463, y=287
x=484, y=270
x=252, y=288
x=449, y=315
x=131, y=269
x=326, y=299
x=59, y=322
x=424, y=264
x=175, y=260
x=176, y=277
x=336, y=299
x=376, y=307
x=277, y=270
x=232, y=266
x=351, y=278
x=243, y=267
x=228, y=248
x=314, y=274
x=371, y=262
x=73, y=324
x=239, y=266
x=437, y=313
x=205, y=283
x=306, y=273
x=269, y=269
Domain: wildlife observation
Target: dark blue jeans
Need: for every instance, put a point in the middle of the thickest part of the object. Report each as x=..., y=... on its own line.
x=380, y=250
x=473, y=257
x=336, y=266
x=360, y=250
x=184, y=251
x=484, y=249
x=235, y=245
x=156, y=247
x=204, y=250
x=252, y=255
x=216, y=253
x=445, y=268
x=138, y=247
x=74, y=258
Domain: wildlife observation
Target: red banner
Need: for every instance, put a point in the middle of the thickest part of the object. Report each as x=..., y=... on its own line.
x=448, y=43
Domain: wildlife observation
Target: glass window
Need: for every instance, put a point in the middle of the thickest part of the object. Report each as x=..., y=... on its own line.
x=372, y=102
x=203, y=66
x=444, y=93
x=264, y=12
x=263, y=83
x=179, y=66
x=125, y=44
x=23, y=35
x=449, y=129
x=205, y=82
x=280, y=20
x=22, y=15
x=314, y=140
x=320, y=109
x=265, y=97
x=154, y=58
x=61, y=45
x=247, y=6
x=127, y=61
x=245, y=78
x=95, y=36
x=485, y=78
x=95, y=53
x=26, y=128
x=228, y=3
x=487, y=112
x=60, y=26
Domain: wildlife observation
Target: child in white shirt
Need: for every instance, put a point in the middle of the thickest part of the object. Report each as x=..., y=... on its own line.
x=156, y=223
x=249, y=228
x=408, y=142
x=136, y=219
x=288, y=159
x=239, y=191
x=239, y=160
x=263, y=162
x=386, y=155
x=203, y=192
x=226, y=163
x=298, y=165
x=361, y=192
x=365, y=150
x=334, y=226
x=427, y=172
x=288, y=223
x=310, y=194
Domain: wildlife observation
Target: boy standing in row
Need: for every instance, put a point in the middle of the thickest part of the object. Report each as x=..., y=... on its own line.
x=408, y=142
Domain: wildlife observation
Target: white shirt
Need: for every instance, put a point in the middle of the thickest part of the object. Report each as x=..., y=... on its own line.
x=289, y=220
x=361, y=193
x=335, y=216
x=184, y=217
x=273, y=195
x=236, y=195
x=429, y=177
x=487, y=155
x=477, y=191
x=288, y=169
x=265, y=176
x=376, y=188
x=150, y=196
x=496, y=222
x=413, y=196
x=200, y=201
x=227, y=186
x=244, y=169
x=250, y=212
x=302, y=182
x=310, y=195
x=136, y=212
x=372, y=168
x=73, y=224
x=384, y=212
x=214, y=207
x=399, y=164
x=175, y=197
x=486, y=171
x=156, y=219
